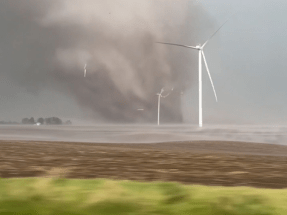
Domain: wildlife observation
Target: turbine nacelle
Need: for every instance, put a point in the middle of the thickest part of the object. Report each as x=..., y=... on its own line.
x=198, y=47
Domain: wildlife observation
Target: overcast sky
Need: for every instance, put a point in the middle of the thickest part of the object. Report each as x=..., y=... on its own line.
x=247, y=61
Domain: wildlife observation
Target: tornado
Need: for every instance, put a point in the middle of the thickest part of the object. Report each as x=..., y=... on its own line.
x=47, y=43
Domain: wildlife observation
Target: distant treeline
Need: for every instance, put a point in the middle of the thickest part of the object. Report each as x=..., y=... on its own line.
x=45, y=121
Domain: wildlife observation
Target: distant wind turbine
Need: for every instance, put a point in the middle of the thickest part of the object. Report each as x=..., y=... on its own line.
x=160, y=96
x=85, y=70
x=201, y=54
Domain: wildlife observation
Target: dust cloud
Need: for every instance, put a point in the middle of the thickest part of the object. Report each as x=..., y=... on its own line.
x=46, y=44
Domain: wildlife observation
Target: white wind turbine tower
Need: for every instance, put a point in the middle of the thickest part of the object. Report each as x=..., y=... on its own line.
x=201, y=54
x=158, y=107
x=85, y=70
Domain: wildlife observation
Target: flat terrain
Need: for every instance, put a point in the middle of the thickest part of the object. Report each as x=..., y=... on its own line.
x=198, y=162
x=144, y=133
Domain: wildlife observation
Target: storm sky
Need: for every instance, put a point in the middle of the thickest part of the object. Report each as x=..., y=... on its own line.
x=44, y=46
x=247, y=61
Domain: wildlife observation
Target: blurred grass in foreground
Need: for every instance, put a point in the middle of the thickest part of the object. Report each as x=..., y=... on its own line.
x=62, y=196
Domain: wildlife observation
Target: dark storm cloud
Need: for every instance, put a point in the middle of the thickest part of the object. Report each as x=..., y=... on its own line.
x=47, y=43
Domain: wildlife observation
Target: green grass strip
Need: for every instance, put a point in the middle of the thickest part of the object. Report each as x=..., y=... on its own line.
x=47, y=196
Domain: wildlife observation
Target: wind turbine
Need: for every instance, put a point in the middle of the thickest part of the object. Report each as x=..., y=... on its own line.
x=201, y=54
x=158, y=106
x=85, y=70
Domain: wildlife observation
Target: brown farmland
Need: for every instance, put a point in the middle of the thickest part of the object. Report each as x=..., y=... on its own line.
x=199, y=162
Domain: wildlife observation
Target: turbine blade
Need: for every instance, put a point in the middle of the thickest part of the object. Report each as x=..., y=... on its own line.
x=217, y=31
x=209, y=74
x=165, y=95
x=173, y=44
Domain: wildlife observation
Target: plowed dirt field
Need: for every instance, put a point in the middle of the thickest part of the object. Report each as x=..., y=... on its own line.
x=199, y=162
